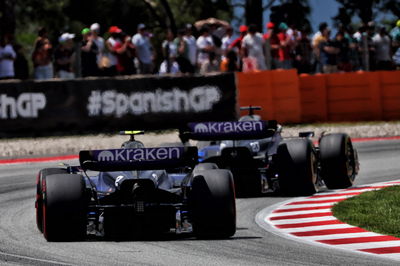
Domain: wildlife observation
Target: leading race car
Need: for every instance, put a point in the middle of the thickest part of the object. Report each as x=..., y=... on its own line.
x=261, y=161
x=137, y=192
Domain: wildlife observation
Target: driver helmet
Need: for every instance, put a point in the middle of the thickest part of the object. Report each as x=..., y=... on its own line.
x=132, y=144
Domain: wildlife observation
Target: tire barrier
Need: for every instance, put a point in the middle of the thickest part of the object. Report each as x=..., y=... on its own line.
x=34, y=108
x=276, y=91
x=341, y=97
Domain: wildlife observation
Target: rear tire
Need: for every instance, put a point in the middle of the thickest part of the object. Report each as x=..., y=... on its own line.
x=212, y=201
x=39, y=192
x=64, y=207
x=297, y=167
x=338, y=166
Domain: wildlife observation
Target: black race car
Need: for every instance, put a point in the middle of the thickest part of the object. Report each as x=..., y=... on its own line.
x=135, y=191
x=261, y=161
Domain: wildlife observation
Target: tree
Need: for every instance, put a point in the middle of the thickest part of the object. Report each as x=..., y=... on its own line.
x=390, y=6
x=366, y=10
x=254, y=13
x=7, y=17
x=292, y=12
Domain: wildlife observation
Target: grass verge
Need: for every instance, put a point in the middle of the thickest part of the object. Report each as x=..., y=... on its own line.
x=377, y=211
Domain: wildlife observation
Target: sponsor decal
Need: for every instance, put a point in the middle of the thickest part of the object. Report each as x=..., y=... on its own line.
x=118, y=180
x=26, y=105
x=255, y=146
x=113, y=103
x=227, y=127
x=137, y=155
x=105, y=156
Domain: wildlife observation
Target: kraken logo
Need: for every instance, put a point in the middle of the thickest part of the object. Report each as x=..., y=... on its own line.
x=105, y=156
x=201, y=128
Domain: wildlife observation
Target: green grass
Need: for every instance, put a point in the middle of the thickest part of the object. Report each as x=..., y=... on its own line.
x=377, y=211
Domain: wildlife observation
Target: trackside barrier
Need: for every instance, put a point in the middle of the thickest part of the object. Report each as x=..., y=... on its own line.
x=276, y=91
x=151, y=102
x=390, y=94
x=32, y=108
x=287, y=97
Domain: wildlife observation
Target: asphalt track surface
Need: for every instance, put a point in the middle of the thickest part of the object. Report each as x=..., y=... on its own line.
x=22, y=244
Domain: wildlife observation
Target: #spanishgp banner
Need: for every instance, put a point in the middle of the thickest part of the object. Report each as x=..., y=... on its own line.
x=112, y=104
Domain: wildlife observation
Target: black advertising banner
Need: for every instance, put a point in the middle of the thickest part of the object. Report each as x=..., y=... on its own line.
x=111, y=104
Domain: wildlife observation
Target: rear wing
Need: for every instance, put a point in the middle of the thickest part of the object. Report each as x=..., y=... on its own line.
x=138, y=159
x=229, y=130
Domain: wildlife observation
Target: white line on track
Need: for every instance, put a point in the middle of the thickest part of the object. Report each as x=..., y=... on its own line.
x=312, y=228
x=33, y=259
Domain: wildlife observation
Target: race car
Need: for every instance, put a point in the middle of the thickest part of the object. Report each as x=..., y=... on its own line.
x=261, y=161
x=135, y=192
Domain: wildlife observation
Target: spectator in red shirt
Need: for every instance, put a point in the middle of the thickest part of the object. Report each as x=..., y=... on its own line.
x=237, y=43
x=125, y=52
x=284, y=60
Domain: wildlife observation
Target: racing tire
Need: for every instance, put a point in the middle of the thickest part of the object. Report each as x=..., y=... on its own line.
x=39, y=192
x=338, y=163
x=212, y=201
x=297, y=167
x=64, y=207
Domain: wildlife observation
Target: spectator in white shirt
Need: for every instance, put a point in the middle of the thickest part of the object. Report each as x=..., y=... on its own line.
x=205, y=46
x=191, y=45
x=95, y=30
x=144, y=49
x=7, y=57
x=383, y=46
x=253, y=42
x=227, y=40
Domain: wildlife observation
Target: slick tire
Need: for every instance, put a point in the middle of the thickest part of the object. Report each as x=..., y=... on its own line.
x=297, y=167
x=64, y=207
x=338, y=166
x=39, y=192
x=212, y=202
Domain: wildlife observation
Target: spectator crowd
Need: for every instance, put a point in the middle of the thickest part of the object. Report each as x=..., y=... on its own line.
x=211, y=48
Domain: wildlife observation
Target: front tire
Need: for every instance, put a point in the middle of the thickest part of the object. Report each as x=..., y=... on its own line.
x=212, y=201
